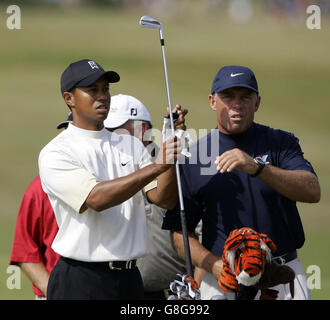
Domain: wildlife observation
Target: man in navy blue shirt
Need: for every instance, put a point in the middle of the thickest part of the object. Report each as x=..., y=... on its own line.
x=243, y=174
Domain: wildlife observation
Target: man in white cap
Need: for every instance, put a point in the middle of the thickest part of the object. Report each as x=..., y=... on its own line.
x=128, y=115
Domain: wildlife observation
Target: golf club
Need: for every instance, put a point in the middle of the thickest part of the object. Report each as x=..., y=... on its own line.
x=149, y=22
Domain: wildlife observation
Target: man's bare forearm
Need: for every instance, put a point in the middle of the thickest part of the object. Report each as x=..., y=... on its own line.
x=37, y=273
x=201, y=257
x=166, y=193
x=110, y=193
x=296, y=185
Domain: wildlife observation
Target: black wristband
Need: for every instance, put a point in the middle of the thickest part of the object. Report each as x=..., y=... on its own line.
x=261, y=164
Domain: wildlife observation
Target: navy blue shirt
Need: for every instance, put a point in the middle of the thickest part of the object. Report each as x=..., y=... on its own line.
x=226, y=201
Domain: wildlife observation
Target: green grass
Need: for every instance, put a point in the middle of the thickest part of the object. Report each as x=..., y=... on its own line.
x=292, y=65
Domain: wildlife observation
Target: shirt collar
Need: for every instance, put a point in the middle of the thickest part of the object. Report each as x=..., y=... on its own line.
x=87, y=133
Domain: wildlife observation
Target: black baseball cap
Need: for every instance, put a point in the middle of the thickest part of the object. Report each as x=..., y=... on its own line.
x=234, y=76
x=64, y=124
x=83, y=73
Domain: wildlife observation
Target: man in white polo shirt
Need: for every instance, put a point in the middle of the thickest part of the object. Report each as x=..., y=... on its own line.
x=94, y=179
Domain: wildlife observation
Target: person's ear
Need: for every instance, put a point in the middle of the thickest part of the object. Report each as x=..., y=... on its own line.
x=256, y=107
x=144, y=128
x=212, y=102
x=69, y=98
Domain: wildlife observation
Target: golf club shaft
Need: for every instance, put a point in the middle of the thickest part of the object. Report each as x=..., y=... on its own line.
x=182, y=211
x=166, y=80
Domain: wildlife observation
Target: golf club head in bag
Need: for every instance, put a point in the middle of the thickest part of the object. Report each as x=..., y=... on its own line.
x=184, y=287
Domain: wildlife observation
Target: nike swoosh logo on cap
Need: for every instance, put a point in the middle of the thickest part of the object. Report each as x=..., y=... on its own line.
x=235, y=74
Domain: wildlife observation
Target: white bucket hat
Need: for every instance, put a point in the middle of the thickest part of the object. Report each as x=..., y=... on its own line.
x=123, y=108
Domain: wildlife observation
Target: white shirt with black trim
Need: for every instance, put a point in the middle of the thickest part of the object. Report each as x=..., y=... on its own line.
x=70, y=166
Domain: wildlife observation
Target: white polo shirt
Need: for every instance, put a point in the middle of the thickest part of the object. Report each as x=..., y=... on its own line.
x=70, y=166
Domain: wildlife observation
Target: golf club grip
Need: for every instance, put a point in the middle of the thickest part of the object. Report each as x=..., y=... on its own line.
x=186, y=243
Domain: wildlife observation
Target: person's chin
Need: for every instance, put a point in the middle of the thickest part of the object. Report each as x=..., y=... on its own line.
x=100, y=115
x=237, y=128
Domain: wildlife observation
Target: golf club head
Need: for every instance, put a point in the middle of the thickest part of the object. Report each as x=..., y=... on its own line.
x=149, y=22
